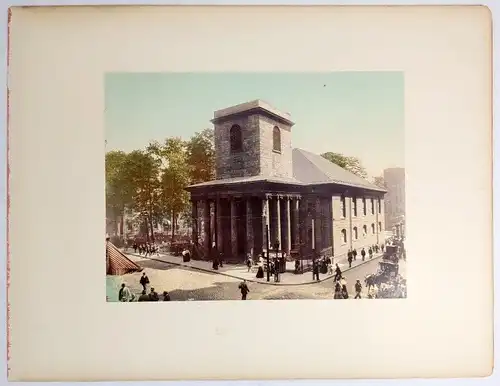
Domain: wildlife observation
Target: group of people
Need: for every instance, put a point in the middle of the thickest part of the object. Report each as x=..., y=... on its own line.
x=146, y=249
x=126, y=295
x=341, y=292
x=353, y=253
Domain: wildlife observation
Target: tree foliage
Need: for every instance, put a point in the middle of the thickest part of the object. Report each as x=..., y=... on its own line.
x=379, y=181
x=351, y=164
x=151, y=182
x=201, y=156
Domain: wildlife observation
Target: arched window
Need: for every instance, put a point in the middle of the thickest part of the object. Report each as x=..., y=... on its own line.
x=365, y=230
x=380, y=226
x=344, y=236
x=276, y=139
x=235, y=138
x=373, y=229
x=342, y=205
x=355, y=233
x=373, y=205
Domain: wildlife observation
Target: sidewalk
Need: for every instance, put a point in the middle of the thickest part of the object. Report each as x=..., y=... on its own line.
x=240, y=271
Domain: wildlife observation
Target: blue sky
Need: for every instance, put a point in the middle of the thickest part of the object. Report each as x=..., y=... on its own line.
x=358, y=114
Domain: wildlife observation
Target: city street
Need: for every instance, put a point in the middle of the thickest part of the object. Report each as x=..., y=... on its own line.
x=189, y=284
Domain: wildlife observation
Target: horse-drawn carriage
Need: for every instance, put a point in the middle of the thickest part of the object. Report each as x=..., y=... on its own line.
x=392, y=253
x=387, y=271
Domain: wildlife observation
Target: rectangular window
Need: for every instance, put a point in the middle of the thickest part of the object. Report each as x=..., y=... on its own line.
x=364, y=206
x=379, y=206
x=372, y=201
x=342, y=206
x=355, y=206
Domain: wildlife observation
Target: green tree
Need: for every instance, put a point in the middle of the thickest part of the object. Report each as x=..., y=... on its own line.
x=201, y=156
x=379, y=181
x=175, y=176
x=351, y=164
x=143, y=174
x=118, y=188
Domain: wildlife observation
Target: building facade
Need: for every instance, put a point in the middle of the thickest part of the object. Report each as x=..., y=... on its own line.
x=395, y=199
x=267, y=195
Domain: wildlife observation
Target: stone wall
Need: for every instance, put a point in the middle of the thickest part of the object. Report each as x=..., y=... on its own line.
x=272, y=163
x=242, y=164
x=349, y=222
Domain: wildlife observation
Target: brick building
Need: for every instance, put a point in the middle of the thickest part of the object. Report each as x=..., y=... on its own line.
x=263, y=185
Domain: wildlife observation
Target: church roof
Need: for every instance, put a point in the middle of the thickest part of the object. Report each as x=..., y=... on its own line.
x=311, y=169
x=242, y=180
x=255, y=105
x=308, y=169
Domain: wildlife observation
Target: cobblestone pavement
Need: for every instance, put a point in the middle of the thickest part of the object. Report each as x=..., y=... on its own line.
x=186, y=284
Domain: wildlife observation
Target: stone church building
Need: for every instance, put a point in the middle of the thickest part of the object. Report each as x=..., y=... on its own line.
x=263, y=186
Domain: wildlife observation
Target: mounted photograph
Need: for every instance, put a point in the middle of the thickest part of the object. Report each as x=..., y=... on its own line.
x=254, y=186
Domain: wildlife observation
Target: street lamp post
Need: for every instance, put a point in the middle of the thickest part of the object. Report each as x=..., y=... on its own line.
x=267, y=254
x=277, y=266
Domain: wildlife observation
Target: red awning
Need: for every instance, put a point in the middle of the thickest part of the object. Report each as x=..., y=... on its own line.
x=117, y=263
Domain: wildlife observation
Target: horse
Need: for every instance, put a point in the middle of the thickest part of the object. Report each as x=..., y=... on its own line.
x=373, y=280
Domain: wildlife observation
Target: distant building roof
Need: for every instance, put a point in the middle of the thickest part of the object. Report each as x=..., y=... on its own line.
x=117, y=263
x=308, y=169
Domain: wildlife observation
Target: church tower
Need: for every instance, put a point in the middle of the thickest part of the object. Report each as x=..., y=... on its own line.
x=252, y=139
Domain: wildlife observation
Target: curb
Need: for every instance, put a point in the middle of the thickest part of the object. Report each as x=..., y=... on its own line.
x=253, y=280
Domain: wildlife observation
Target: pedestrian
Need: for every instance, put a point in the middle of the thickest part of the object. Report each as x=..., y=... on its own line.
x=345, y=294
x=363, y=254
x=153, y=295
x=297, y=266
x=358, y=288
x=330, y=267
x=135, y=247
x=337, y=291
x=370, y=252
x=220, y=260
x=338, y=272
x=244, y=289
x=354, y=254
x=125, y=295
x=382, y=247
x=349, y=258
x=144, y=281
x=249, y=263
x=315, y=270
x=166, y=296
x=144, y=297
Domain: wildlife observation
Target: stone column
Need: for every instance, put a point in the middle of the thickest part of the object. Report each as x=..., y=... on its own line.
x=278, y=222
x=266, y=231
x=295, y=232
x=302, y=226
x=218, y=226
x=234, y=228
x=194, y=221
x=286, y=226
x=206, y=225
x=317, y=226
x=249, y=226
